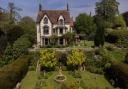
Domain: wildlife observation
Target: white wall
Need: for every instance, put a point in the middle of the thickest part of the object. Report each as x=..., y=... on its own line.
x=42, y=25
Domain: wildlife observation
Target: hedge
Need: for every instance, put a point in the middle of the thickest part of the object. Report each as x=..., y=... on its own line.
x=119, y=72
x=12, y=73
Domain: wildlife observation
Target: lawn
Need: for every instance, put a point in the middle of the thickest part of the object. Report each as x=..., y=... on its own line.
x=118, y=54
x=30, y=80
x=95, y=81
x=91, y=81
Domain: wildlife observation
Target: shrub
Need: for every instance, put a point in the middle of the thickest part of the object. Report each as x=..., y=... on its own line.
x=99, y=62
x=48, y=59
x=76, y=58
x=126, y=58
x=11, y=74
x=119, y=37
x=110, y=47
x=119, y=73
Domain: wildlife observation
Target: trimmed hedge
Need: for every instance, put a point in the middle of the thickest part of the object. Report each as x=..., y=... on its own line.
x=119, y=73
x=11, y=74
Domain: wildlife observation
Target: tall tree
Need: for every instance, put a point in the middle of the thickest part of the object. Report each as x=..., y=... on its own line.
x=100, y=33
x=13, y=11
x=107, y=10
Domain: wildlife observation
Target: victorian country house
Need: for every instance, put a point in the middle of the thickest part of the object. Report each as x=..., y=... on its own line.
x=53, y=23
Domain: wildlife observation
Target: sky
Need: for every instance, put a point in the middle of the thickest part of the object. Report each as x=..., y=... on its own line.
x=30, y=7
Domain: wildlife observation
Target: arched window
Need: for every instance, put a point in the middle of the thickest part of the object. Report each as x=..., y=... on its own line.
x=46, y=30
x=61, y=21
x=45, y=20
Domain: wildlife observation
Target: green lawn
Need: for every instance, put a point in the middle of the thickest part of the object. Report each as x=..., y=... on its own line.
x=118, y=54
x=29, y=81
x=90, y=80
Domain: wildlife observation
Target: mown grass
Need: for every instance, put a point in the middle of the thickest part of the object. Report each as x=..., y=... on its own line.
x=29, y=81
x=91, y=81
x=118, y=54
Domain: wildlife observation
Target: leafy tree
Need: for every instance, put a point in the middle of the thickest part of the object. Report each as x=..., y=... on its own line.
x=85, y=24
x=119, y=22
x=48, y=58
x=69, y=37
x=28, y=25
x=53, y=39
x=107, y=10
x=21, y=46
x=13, y=33
x=76, y=58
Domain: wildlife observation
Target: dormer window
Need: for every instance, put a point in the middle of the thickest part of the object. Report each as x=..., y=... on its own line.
x=61, y=21
x=45, y=20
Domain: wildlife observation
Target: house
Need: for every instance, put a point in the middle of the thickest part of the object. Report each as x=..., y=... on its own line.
x=53, y=23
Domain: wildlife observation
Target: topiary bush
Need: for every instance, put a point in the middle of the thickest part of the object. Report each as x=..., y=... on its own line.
x=11, y=74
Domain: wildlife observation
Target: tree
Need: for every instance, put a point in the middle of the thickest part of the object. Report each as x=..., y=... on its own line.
x=13, y=11
x=53, y=39
x=119, y=22
x=20, y=46
x=100, y=33
x=28, y=25
x=85, y=24
x=76, y=58
x=69, y=37
x=107, y=10
x=48, y=58
x=13, y=33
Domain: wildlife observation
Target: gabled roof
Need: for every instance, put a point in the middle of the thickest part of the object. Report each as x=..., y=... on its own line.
x=54, y=15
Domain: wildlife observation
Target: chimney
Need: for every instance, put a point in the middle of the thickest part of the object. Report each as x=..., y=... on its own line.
x=67, y=7
x=40, y=7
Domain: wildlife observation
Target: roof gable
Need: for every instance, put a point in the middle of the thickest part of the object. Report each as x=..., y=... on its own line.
x=53, y=15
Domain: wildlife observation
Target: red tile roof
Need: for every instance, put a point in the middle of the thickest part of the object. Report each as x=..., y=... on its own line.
x=53, y=15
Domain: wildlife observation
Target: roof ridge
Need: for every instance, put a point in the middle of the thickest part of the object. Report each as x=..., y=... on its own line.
x=54, y=10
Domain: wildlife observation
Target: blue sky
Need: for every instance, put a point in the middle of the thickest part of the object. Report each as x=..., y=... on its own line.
x=30, y=7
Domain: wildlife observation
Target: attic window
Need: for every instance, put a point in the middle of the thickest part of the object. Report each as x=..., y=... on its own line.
x=45, y=20
x=61, y=21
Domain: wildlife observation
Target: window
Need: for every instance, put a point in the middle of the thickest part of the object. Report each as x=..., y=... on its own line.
x=45, y=20
x=46, y=41
x=61, y=30
x=61, y=41
x=54, y=31
x=61, y=21
x=46, y=30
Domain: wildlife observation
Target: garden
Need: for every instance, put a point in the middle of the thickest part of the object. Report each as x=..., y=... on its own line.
x=74, y=69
